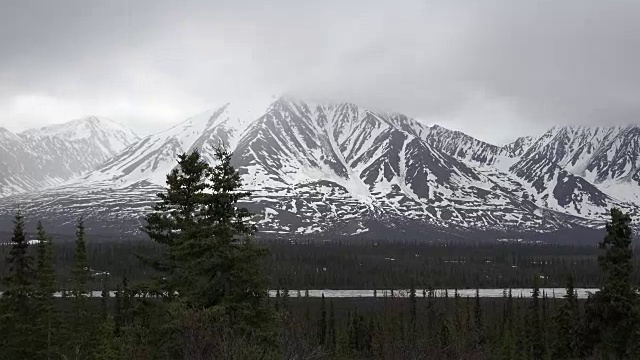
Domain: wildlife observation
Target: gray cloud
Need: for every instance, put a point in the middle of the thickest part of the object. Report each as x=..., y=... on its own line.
x=496, y=69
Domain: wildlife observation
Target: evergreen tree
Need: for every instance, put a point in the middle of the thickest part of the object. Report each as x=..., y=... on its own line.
x=19, y=282
x=108, y=346
x=522, y=331
x=80, y=273
x=368, y=338
x=17, y=305
x=126, y=305
x=412, y=312
x=118, y=317
x=445, y=339
x=104, y=298
x=209, y=260
x=322, y=322
x=566, y=322
x=479, y=330
x=332, y=327
x=508, y=343
x=45, y=287
x=81, y=329
x=612, y=313
x=536, y=331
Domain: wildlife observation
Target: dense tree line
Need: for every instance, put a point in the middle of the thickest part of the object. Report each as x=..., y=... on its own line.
x=386, y=265
x=365, y=264
x=605, y=326
x=203, y=294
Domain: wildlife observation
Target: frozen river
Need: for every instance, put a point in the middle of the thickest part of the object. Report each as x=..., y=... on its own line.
x=583, y=293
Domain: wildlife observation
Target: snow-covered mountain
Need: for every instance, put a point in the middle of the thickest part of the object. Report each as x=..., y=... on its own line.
x=103, y=134
x=45, y=157
x=151, y=158
x=329, y=169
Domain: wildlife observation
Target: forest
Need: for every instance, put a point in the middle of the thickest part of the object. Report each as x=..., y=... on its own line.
x=198, y=289
x=360, y=264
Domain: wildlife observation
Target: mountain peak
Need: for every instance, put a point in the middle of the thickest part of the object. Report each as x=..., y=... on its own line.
x=83, y=128
x=92, y=132
x=336, y=166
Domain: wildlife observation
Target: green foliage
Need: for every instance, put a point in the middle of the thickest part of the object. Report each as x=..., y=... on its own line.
x=322, y=323
x=80, y=272
x=209, y=261
x=612, y=313
x=332, y=328
x=46, y=315
x=232, y=319
x=45, y=277
x=19, y=280
x=534, y=325
x=81, y=324
x=478, y=322
x=17, y=306
x=567, y=326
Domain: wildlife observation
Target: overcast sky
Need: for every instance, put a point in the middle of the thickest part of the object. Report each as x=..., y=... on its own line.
x=494, y=69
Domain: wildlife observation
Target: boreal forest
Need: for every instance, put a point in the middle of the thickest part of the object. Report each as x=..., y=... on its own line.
x=200, y=285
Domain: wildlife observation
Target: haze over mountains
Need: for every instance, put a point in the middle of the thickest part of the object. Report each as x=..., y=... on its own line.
x=328, y=170
x=39, y=158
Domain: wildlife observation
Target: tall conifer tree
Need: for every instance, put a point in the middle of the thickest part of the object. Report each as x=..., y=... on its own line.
x=612, y=313
x=17, y=303
x=19, y=282
x=566, y=323
x=45, y=287
x=82, y=327
x=209, y=260
x=322, y=322
x=536, y=333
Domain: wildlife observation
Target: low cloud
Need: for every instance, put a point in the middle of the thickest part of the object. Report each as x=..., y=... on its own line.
x=496, y=69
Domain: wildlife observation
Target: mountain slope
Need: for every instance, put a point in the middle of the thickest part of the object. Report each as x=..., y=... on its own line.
x=152, y=158
x=465, y=147
x=45, y=157
x=339, y=169
x=102, y=133
x=583, y=167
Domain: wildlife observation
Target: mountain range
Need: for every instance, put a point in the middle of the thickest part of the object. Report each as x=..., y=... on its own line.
x=329, y=170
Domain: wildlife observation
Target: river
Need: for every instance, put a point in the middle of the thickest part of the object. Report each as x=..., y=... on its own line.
x=582, y=293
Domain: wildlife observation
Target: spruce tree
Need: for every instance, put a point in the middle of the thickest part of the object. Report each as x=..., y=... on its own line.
x=478, y=321
x=536, y=334
x=80, y=273
x=19, y=282
x=322, y=322
x=104, y=298
x=108, y=345
x=45, y=287
x=17, y=304
x=118, y=317
x=209, y=261
x=612, y=313
x=413, y=313
x=332, y=328
x=81, y=326
x=566, y=323
x=126, y=303
x=508, y=341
